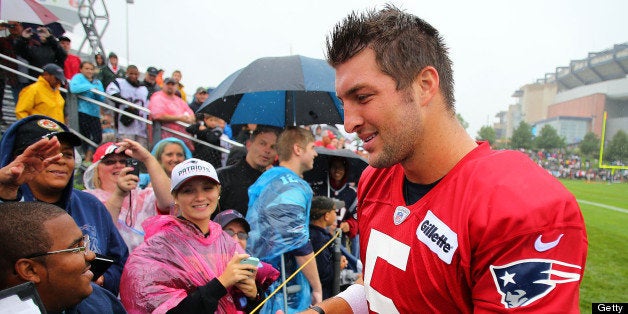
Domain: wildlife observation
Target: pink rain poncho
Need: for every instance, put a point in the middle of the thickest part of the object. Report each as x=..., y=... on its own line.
x=174, y=260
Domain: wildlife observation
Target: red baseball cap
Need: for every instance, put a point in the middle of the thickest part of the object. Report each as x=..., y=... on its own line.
x=104, y=150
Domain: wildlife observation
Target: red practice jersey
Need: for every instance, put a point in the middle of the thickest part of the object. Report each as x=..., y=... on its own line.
x=497, y=233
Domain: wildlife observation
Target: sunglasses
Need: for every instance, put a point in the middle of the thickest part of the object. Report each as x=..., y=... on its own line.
x=241, y=235
x=109, y=162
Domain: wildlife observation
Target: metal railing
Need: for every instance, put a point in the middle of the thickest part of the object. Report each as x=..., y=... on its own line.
x=156, y=125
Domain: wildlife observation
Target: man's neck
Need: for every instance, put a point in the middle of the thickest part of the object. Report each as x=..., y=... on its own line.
x=46, y=196
x=446, y=144
x=293, y=165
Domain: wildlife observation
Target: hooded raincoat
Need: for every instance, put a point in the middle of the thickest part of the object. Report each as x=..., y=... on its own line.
x=175, y=259
x=279, y=215
x=136, y=207
x=88, y=212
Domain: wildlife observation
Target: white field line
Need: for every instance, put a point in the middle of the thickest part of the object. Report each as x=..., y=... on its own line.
x=619, y=209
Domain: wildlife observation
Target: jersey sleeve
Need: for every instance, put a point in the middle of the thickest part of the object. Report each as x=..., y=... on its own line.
x=532, y=258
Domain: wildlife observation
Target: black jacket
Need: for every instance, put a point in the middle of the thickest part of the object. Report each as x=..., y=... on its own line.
x=211, y=136
x=40, y=53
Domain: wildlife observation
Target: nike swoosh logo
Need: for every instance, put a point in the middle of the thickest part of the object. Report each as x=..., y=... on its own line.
x=541, y=246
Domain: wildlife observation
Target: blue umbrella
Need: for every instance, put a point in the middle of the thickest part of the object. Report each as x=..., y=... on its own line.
x=278, y=91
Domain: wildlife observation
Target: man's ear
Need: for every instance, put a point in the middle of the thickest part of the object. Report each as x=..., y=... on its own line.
x=296, y=149
x=427, y=84
x=29, y=270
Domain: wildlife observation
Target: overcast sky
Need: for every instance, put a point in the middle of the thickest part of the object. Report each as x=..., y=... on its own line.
x=496, y=46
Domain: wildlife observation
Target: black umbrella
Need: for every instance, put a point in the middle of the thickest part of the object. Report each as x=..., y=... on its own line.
x=278, y=91
x=319, y=175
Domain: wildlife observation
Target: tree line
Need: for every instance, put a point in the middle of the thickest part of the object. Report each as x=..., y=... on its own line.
x=615, y=150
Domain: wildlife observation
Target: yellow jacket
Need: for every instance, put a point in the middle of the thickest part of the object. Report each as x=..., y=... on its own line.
x=40, y=98
x=183, y=95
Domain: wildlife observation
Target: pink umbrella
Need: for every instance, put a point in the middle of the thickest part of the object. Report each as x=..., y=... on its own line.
x=26, y=11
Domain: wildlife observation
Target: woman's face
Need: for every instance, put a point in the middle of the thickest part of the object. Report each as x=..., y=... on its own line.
x=337, y=170
x=197, y=199
x=109, y=170
x=172, y=156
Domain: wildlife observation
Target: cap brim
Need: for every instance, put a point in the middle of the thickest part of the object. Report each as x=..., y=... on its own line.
x=67, y=137
x=174, y=188
x=62, y=80
x=247, y=227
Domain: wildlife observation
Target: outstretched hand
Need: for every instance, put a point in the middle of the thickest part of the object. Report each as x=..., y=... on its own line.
x=28, y=165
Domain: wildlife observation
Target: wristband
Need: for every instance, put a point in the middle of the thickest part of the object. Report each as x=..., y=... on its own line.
x=317, y=309
x=355, y=296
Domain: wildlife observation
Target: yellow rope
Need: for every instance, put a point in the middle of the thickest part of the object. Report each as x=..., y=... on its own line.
x=296, y=272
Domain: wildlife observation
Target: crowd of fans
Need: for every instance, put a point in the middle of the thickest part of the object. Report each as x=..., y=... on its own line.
x=179, y=219
x=573, y=166
x=137, y=203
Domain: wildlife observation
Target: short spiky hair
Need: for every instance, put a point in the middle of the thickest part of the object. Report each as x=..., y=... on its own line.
x=403, y=44
x=290, y=136
x=23, y=232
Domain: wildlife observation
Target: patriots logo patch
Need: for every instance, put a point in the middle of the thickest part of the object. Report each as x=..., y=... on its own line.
x=522, y=282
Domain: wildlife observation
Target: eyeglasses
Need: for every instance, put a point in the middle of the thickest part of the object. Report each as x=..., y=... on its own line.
x=83, y=247
x=110, y=162
x=241, y=235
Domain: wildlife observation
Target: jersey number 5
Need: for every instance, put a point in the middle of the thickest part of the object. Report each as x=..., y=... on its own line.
x=394, y=253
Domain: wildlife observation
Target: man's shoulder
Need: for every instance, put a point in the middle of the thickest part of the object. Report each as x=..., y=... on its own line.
x=100, y=301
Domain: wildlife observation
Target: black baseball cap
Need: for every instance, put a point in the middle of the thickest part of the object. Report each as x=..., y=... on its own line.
x=36, y=129
x=152, y=71
x=55, y=70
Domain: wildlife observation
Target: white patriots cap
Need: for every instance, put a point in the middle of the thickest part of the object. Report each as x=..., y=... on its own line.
x=190, y=168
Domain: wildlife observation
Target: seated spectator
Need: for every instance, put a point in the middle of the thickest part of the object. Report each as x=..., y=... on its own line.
x=55, y=256
x=233, y=223
x=208, y=129
x=111, y=71
x=259, y=155
x=279, y=213
x=177, y=76
x=108, y=179
x=322, y=217
x=108, y=130
x=199, y=98
x=131, y=90
x=187, y=264
x=72, y=64
x=43, y=97
x=88, y=112
x=150, y=81
x=168, y=109
x=40, y=52
x=170, y=152
x=337, y=186
x=42, y=170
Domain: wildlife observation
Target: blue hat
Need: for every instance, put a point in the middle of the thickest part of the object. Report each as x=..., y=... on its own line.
x=55, y=70
x=227, y=216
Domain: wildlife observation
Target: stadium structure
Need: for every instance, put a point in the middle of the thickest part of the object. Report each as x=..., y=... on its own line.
x=573, y=98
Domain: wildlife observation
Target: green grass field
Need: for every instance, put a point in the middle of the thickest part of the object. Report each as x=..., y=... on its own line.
x=606, y=271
